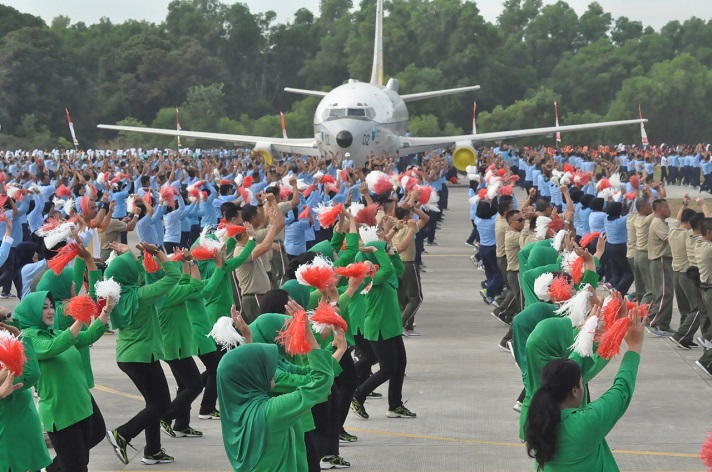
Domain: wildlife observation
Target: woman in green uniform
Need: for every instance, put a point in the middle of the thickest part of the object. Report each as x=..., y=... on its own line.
x=139, y=348
x=67, y=410
x=562, y=433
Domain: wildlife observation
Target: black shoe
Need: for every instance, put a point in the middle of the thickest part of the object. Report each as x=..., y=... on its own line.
x=119, y=444
x=504, y=345
x=358, y=408
x=158, y=458
x=374, y=395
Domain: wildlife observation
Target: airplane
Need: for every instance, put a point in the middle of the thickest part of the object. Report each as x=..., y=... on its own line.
x=369, y=118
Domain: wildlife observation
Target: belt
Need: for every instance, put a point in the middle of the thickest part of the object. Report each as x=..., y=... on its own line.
x=706, y=286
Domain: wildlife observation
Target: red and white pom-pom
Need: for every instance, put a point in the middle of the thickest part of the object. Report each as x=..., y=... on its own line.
x=583, y=344
x=607, y=193
x=63, y=191
x=230, y=231
x=329, y=188
x=225, y=334
x=356, y=270
x=12, y=353
x=577, y=269
x=493, y=189
x=285, y=193
x=101, y=178
x=168, y=195
x=588, y=239
x=355, y=207
x=506, y=190
x=246, y=194
x=69, y=206
x=51, y=224
x=176, y=257
x=428, y=198
x=307, y=191
x=706, y=453
x=130, y=204
x=328, y=215
x=89, y=191
x=407, y=182
x=541, y=286
x=615, y=180
x=558, y=240
x=367, y=215
x=319, y=273
x=294, y=336
x=612, y=338
x=368, y=234
x=577, y=307
x=149, y=263
x=610, y=309
x=326, y=317
x=14, y=192
x=108, y=289
x=63, y=258
x=542, y=227
x=560, y=289
x=378, y=182
x=304, y=213
x=193, y=193
x=603, y=184
x=568, y=261
x=82, y=308
x=475, y=200
x=148, y=197
x=634, y=181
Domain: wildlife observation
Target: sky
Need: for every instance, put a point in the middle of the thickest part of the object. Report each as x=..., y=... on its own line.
x=655, y=13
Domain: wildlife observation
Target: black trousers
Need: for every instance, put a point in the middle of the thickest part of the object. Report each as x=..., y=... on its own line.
x=7, y=272
x=618, y=268
x=366, y=359
x=392, y=361
x=151, y=382
x=187, y=377
x=73, y=443
x=170, y=246
x=209, y=381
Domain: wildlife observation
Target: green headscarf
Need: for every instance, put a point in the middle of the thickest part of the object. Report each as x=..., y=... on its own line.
x=28, y=314
x=298, y=292
x=265, y=328
x=550, y=339
x=244, y=380
x=325, y=249
x=381, y=246
x=124, y=270
x=61, y=288
x=207, y=267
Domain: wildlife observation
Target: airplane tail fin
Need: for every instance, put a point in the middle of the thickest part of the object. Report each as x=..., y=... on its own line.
x=377, y=70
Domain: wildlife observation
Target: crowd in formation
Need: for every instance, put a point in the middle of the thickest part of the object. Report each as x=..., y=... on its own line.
x=288, y=280
x=589, y=262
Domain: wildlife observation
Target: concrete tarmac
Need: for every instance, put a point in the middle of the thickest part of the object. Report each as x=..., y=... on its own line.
x=461, y=385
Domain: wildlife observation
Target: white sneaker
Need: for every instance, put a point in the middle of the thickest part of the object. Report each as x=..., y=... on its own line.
x=517, y=407
x=704, y=343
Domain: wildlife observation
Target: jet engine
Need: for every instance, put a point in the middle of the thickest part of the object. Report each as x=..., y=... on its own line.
x=265, y=150
x=464, y=155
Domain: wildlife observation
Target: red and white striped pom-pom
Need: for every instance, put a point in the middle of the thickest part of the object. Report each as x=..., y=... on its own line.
x=328, y=215
x=294, y=336
x=506, y=190
x=304, y=213
x=225, y=334
x=493, y=188
x=101, y=178
x=148, y=197
x=168, y=195
x=378, y=182
x=319, y=273
x=588, y=239
x=577, y=307
x=51, y=224
x=326, y=317
x=612, y=338
x=577, y=269
x=568, y=261
x=615, y=180
x=63, y=191
x=706, y=453
x=150, y=263
x=308, y=191
x=130, y=204
x=193, y=194
x=560, y=289
x=14, y=192
x=12, y=353
x=355, y=207
x=558, y=240
x=248, y=181
x=238, y=180
x=407, y=182
x=356, y=270
x=285, y=193
x=583, y=344
x=634, y=181
x=82, y=308
x=63, y=258
x=69, y=206
x=603, y=184
x=108, y=289
x=428, y=198
x=201, y=253
x=344, y=175
x=327, y=179
x=542, y=226
x=367, y=215
x=368, y=234
x=246, y=194
x=542, y=284
x=610, y=309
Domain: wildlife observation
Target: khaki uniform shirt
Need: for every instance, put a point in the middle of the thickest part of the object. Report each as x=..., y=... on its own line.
x=703, y=254
x=678, y=244
x=512, y=248
x=630, y=244
x=252, y=275
x=657, y=240
x=409, y=254
x=642, y=227
x=500, y=227
x=691, y=245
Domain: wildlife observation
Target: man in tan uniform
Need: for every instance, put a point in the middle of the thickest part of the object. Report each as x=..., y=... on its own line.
x=661, y=276
x=641, y=267
x=703, y=256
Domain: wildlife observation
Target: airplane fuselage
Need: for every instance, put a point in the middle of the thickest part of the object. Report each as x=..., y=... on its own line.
x=360, y=118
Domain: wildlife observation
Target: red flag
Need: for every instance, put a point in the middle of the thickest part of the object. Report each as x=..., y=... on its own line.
x=71, y=128
x=556, y=112
x=284, y=127
x=643, y=134
x=178, y=126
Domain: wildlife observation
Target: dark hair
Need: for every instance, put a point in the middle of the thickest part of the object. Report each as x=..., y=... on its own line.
x=597, y=204
x=687, y=215
x=696, y=219
x=705, y=226
x=658, y=203
x=248, y=212
x=614, y=210
x=225, y=189
x=576, y=194
x=511, y=214
x=295, y=262
x=229, y=210
x=504, y=206
x=274, y=301
x=402, y=213
x=542, y=204
x=585, y=200
x=558, y=378
x=145, y=180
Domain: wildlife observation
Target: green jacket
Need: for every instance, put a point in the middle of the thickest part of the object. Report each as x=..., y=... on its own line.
x=198, y=314
x=221, y=299
x=383, y=315
x=173, y=317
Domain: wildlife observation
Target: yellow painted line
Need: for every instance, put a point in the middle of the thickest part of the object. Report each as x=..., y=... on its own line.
x=478, y=442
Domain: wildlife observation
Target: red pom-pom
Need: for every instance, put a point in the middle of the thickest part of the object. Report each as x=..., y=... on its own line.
x=357, y=270
x=454, y=180
x=367, y=215
x=293, y=336
x=326, y=315
x=201, y=253
x=577, y=270
x=327, y=179
x=178, y=256
x=425, y=192
x=63, y=257
x=248, y=181
x=304, y=213
x=603, y=184
x=630, y=196
x=328, y=216
x=12, y=353
x=502, y=172
x=560, y=289
x=226, y=182
x=482, y=193
x=81, y=308
x=285, y=193
x=344, y=175
x=506, y=190
x=588, y=239
x=148, y=197
x=168, y=194
x=634, y=182
x=194, y=192
x=610, y=344
x=706, y=452
x=382, y=185
x=246, y=194
x=63, y=191
x=316, y=274
x=610, y=312
x=514, y=178
x=557, y=224
x=568, y=168
x=307, y=191
x=234, y=230
x=150, y=263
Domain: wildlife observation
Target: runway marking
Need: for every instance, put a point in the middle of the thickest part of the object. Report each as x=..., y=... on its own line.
x=478, y=442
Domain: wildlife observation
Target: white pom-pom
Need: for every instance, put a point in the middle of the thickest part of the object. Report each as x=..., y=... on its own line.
x=108, y=289
x=542, y=226
x=615, y=180
x=566, y=180
x=558, y=240
x=492, y=189
x=216, y=175
x=606, y=193
x=576, y=308
x=130, y=204
x=471, y=170
x=69, y=206
x=220, y=234
x=368, y=234
x=474, y=200
x=583, y=345
x=238, y=180
x=12, y=191
x=554, y=180
x=373, y=178
x=112, y=256
x=101, y=179
x=225, y=334
x=488, y=176
x=541, y=286
x=211, y=244
x=404, y=181
x=58, y=203
x=355, y=208
x=59, y=234
x=34, y=188
x=475, y=177
x=568, y=261
x=88, y=190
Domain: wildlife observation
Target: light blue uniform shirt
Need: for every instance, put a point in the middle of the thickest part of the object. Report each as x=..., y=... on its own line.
x=616, y=230
x=172, y=222
x=486, y=230
x=596, y=222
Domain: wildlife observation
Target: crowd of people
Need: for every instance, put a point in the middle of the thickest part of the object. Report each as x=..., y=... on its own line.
x=580, y=270
x=222, y=235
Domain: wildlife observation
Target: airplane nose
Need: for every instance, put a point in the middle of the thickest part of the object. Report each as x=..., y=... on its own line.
x=344, y=139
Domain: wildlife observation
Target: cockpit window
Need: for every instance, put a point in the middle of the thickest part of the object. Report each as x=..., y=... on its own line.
x=356, y=112
x=332, y=113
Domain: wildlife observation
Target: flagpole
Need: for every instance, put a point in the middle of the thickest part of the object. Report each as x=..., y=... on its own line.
x=71, y=130
x=558, y=134
x=178, y=128
x=474, y=118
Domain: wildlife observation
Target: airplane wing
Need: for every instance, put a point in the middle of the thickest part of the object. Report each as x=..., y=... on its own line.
x=312, y=93
x=412, y=97
x=305, y=146
x=413, y=145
